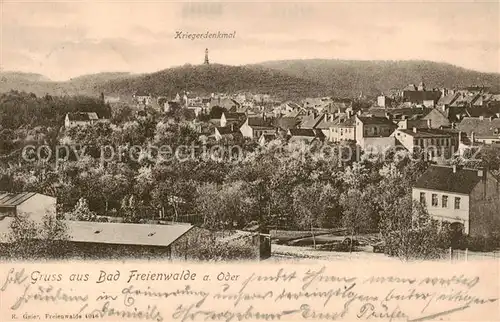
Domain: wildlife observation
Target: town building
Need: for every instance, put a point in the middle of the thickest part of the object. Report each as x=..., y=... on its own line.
x=254, y=127
x=312, y=120
x=374, y=133
x=142, y=98
x=82, y=119
x=304, y=135
x=326, y=125
x=227, y=132
x=420, y=95
x=469, y=198
x=435, y=144
x=266, y=138
x=384, y=101
x=317, y=103
x=31, y=204
x=344, y=129
x=481, y=130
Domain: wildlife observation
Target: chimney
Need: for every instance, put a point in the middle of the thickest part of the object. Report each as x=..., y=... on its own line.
x=473, y=137
x=454, y=168
x=232, y=127
x=403, y=117
x=429, y=124
x=460, y=137
x=415, y=130
x=481, y=117
x=348, y=114
x=480, y=173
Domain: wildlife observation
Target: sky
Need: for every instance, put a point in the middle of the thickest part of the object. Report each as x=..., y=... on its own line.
x=64, y=39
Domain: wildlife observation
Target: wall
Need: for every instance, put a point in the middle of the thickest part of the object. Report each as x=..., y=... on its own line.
x=111, y=251
x=485, y=207
x=359, y=131
x=180, y=247
x=446, y=214
x=246, y=130
x=343, y=133
x=379, y=145
x=405, y=139
x=38, y=206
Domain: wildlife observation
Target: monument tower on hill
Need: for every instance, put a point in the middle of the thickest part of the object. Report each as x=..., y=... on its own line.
x=206, y=57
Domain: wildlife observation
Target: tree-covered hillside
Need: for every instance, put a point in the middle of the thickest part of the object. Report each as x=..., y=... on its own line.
x=351, y=77
x=216, y=78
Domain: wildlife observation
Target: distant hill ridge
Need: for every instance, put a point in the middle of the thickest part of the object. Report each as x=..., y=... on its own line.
x=288, y=79
x=373, y=77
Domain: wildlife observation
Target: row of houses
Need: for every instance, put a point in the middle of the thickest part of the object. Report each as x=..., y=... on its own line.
x=412, y=128
x=412, y=95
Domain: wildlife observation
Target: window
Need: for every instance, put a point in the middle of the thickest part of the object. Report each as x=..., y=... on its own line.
x=444, y=202
x=434, y=200
x=422, y=198
x=457, y=203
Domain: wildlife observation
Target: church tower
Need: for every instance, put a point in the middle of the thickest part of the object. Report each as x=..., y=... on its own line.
x=206, y=57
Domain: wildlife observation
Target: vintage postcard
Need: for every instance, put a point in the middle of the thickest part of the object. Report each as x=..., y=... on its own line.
x=249, y=161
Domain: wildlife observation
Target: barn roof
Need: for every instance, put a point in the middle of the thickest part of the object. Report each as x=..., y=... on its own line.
x=125, y=234
x=14, y=199
x=443, y=178
x=114, y=233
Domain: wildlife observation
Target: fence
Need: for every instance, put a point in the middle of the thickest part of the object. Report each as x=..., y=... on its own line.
x=457, y=255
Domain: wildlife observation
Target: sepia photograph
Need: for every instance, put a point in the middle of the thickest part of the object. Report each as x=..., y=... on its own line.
x=141, y=136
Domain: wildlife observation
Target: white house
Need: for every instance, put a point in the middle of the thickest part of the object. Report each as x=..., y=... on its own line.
x=81, y=119
x=470, y=198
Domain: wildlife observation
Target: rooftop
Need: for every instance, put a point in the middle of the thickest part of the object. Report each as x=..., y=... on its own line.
x=115, y=233
x=260, y=122
x=302, y=132
x=443, y=178
x=485, y=127
x=14, y=199
x=287, y=122
x=427, y=133
x=83, y=116
x=125, y=234
x=375, y=120
x=227, y=130
x=312, y=121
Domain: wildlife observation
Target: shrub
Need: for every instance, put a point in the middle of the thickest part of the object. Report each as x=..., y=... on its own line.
x=29, y=239
x=413, y=244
